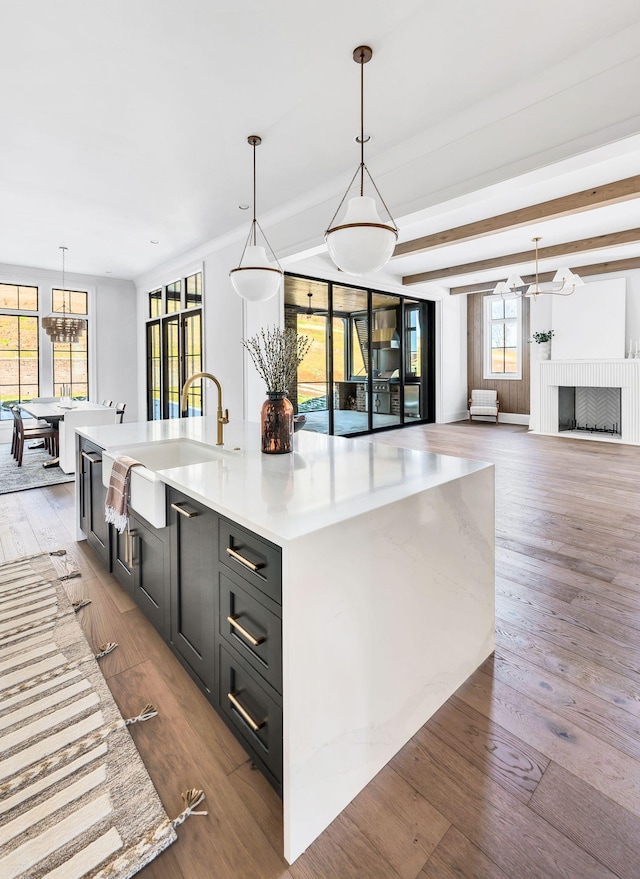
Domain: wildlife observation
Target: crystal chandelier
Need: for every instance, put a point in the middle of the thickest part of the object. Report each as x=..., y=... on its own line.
x=563, y=284
x=61, y=327
x=257, y=280
x=361, y=242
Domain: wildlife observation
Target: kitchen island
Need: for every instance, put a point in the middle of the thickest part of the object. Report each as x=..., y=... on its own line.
x=373, y=567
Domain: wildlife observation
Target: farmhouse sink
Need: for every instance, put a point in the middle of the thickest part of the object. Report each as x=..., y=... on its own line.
x=147, y=488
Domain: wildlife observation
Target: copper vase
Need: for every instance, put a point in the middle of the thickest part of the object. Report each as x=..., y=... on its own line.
x=276, y=424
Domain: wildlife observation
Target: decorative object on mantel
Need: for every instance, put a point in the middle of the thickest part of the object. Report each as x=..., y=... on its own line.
x=258, y=279
x=563, y=284
x=75, y=797
x=543, y=340
x=361, y=241
x=276, y=355
x=62, y=328
x=634, y=349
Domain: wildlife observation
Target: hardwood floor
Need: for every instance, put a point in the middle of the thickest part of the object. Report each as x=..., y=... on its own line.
x=530, y=771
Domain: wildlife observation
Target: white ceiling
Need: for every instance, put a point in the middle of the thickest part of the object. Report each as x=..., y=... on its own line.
x=127, y=121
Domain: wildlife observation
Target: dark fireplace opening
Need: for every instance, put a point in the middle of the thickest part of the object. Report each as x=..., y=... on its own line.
x=594, y=410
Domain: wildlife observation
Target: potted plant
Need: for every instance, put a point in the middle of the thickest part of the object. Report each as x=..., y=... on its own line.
x=543, y=339
x=276, y=355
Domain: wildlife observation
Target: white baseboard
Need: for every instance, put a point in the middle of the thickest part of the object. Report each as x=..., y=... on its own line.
x=504, y=417
x=448, y=417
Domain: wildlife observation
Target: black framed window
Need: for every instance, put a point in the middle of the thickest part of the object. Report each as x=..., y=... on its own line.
x=19, y=361
x=174, y=347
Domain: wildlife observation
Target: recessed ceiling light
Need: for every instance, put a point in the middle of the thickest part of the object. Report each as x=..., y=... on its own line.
x=154, y=242
x=244, y=207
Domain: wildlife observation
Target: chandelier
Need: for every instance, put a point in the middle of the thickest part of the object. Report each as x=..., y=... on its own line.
x=61, y=327
x=258, y=279
x=563, y=284
x=361, y=241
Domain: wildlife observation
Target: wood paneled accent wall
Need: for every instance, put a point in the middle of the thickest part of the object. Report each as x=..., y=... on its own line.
x=513, y=394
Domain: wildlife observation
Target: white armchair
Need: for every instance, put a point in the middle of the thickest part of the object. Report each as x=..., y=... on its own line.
x=484, y=403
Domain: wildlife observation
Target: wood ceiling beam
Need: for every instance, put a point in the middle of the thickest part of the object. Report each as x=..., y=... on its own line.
x=571, y=248
x=588, y=199
x=599, y=268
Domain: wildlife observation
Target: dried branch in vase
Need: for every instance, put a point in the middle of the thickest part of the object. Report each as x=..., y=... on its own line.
x=276, y=355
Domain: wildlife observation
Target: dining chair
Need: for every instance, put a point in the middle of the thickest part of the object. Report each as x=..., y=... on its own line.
x=120, y=407
x=107, y=403
x=21, y=434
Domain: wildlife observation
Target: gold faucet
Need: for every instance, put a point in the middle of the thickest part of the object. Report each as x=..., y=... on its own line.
x=222, y=418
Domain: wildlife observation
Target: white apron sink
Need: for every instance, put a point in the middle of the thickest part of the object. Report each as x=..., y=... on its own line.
x=148, y=496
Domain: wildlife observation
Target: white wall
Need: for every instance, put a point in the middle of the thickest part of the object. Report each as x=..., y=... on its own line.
x=451, y=395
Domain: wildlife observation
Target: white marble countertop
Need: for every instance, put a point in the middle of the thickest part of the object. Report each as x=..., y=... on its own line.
x=325, y=481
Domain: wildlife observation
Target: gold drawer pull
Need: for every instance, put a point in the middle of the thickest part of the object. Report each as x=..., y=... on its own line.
x=130, y=536
x=91, y=459
x=245, y=714
x=250, y=638
x=243, y=561
x=189, y=514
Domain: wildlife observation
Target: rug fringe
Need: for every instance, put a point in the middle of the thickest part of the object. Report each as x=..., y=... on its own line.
x=105, y=649
x=147, y=713
x=192, y=798
x=81, y=602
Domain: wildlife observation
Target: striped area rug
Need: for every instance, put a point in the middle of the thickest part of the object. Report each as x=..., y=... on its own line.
x=75, y=798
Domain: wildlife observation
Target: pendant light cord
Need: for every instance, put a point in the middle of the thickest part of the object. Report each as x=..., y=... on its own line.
x=64, y=294
x=362, y=123
x=254, y=194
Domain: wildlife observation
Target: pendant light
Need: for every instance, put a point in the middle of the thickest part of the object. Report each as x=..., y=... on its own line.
x=257, y=279
x=61, y=327
x=563, y=284
x=361, y=242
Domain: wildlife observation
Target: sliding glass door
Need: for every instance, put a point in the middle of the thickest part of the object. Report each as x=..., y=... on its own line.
x=372, y=361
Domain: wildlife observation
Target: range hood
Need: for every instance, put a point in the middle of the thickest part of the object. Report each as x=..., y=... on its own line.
x=385, y=333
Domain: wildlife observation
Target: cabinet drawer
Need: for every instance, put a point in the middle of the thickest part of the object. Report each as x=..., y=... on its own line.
x=251, y=629
x=255, y=559
x=253, y=710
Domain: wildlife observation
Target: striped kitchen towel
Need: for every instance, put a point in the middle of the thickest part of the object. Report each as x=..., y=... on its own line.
x=116, y=508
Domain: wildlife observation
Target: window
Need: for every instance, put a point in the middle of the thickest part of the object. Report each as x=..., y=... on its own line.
x=174, y=347
x=155, y=303
x=173, y=296
x=19, y=374
x=412, y=344
x=71, y=360
x=75, y=301
x=502, y=338
x=173, y=299
x=71, y=367
x=193, y=286
x=19, y=329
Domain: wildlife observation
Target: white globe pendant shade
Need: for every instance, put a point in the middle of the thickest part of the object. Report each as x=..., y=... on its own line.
x=255, y=280
x=361, y=242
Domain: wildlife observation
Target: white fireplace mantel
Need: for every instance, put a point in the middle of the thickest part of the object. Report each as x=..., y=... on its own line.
x=624, y=374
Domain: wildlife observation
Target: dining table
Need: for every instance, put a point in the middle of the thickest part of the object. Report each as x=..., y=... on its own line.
x=54, y=412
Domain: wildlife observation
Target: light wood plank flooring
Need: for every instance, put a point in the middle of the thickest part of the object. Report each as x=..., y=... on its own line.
x=530, y=771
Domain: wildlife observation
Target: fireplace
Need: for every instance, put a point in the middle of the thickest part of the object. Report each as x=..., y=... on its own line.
x=592, y=410
x=622, y=377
